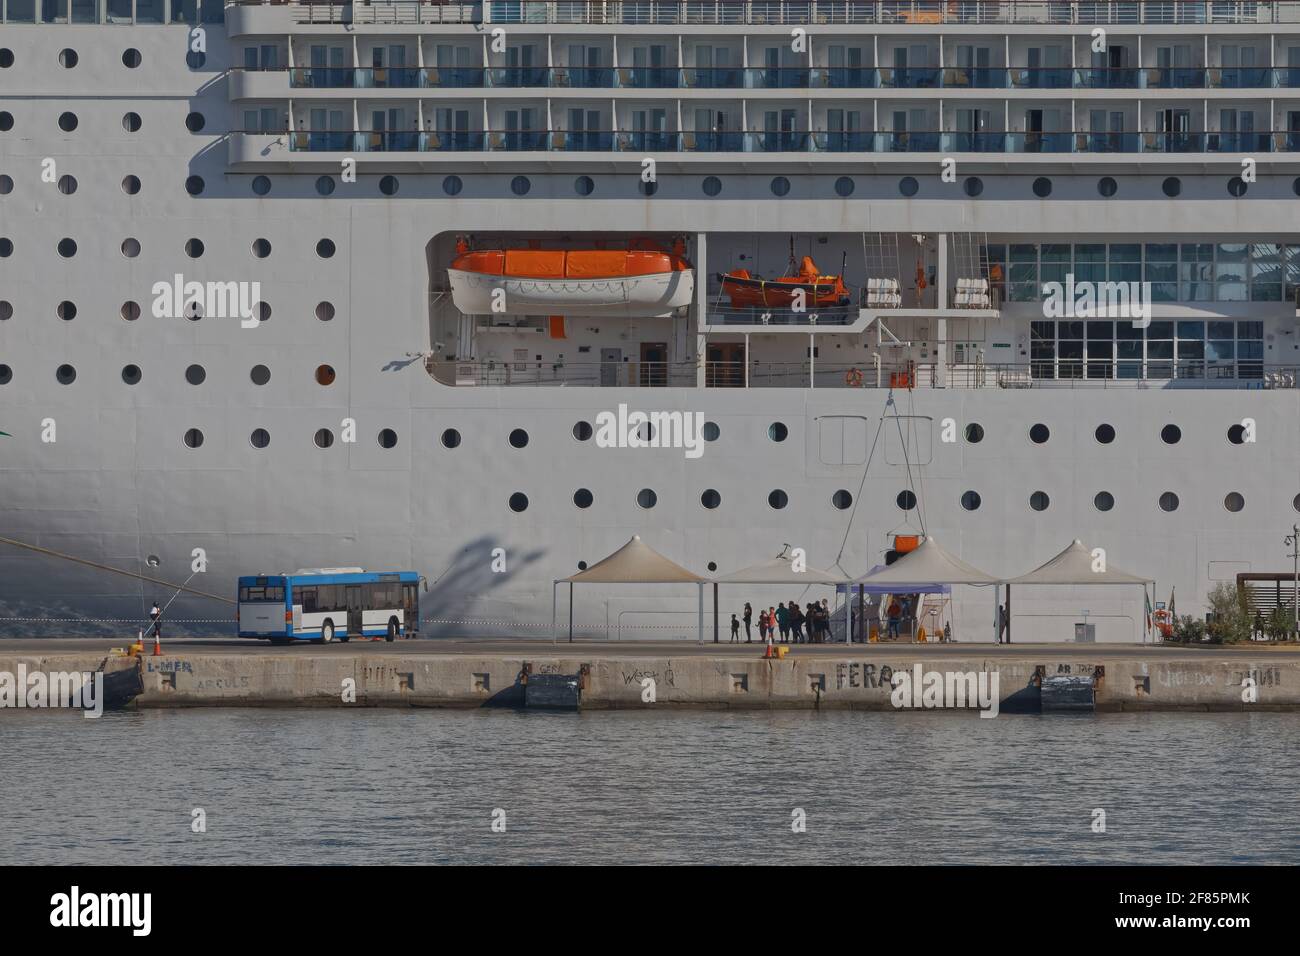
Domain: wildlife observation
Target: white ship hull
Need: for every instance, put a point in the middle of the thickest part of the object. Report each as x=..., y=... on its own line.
x=627, y=297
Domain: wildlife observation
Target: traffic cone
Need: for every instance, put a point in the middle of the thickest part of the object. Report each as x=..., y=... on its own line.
x=138, y=646
x=157, y=645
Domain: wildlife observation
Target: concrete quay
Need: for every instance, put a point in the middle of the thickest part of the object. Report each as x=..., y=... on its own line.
x=435, y=673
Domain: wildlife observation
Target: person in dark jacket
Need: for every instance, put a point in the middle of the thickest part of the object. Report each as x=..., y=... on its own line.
x=783, y=622
x=796, y=623
x=748, y=616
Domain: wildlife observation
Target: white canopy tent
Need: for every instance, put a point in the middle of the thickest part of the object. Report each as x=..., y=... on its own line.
x=634, y=563
x=927, y=566
x=1076, y=565
x=779, y=570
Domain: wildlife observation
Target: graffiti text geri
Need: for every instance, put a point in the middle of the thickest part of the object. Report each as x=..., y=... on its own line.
x=38, y=690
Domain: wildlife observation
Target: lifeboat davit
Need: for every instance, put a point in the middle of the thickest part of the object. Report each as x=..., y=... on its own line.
x=820, y=291
x=642, y=280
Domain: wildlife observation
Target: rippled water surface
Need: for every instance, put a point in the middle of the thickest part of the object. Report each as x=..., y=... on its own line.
x=421, y=786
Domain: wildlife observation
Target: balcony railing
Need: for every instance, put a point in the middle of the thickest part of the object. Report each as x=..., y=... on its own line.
x=792, y=78
x=919, y=13
x=780, y=142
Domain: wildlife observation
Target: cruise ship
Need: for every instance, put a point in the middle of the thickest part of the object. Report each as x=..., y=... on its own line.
x=289, y=284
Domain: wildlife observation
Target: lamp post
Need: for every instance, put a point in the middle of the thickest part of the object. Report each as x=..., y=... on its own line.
x=1293, y=539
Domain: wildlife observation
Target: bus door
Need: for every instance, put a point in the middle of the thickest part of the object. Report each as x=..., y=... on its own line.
x=353, y=597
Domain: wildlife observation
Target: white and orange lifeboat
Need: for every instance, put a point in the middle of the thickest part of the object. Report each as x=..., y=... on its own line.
x=643, y=280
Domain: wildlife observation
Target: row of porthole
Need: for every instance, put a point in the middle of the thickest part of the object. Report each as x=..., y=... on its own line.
x=131, y=311
x=194, y=248
x=68, y=57
x=194, y=374
x=131, y=122
x=261, y=438
x=1105, y=434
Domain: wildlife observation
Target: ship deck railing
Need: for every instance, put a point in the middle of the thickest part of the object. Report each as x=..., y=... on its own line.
x=919, y=13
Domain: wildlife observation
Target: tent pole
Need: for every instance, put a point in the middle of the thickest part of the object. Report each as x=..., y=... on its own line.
x=700, y=631
x=570, y=612
x=715, y=612
x=862, y=618
x=553, y=628
x=1008, y=613
x=997, y=594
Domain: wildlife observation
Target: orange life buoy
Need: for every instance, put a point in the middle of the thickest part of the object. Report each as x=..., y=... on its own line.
x=853, y=378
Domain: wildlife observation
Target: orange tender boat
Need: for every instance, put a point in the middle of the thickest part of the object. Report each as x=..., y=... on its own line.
x=641, y=280
x=820, y=291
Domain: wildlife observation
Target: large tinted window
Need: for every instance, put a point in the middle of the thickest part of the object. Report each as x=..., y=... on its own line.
x=261, y=594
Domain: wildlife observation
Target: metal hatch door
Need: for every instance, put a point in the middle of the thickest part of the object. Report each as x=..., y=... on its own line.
x=842, y=439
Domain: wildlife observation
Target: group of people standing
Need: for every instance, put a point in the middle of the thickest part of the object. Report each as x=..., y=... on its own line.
x=810, y=625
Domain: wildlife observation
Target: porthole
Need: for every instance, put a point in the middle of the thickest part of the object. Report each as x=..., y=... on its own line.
x=520, y=185
x=130, y=247
x=712, y=185
x=1103, y=501
x=844, y=186
x=324, y=185
x=711, y=431
x=67, y=248
x=194, y=248
x=260, y=374
x=261, y=185
x=131, y=122
x=646, y=498
x=712, y=566
x=1107, y=186
x=584, y=185
x=710, y=498
x=1105, y=434
x=194, y=122
x=6, y=185
x=324, y=438
x=262, y=310
x=972, y=186
x=130, y=185
x=6, y=248
x=908, y=186
x=325, y=375
x=1172, y=186
x=193, y=310
x=131, y=374
x=1171, y=434
x=647, y=188
x=261, y=248
x=582, y=430
x=1237, y=434
x=1042, y=187
x=906, y=499
x=842, y=499
x=452, y=185
x=1295, y=502
x=583, y=498
x=193, y=438
x=645, y=433
x=1234, y=501
x=582, y=565
x=67, y=185
x=518, y=502
x=777, y=431
x=780, y=186
x=325, y=311
x=387, y=438
x=6, y=121
x=6, y=58
x=68, y=58
x=6, y=310
x=1168, y=501
x=260, y=438
x=66, y=310
x=970, y=500
x=194, y=185
x=974, y=433
x=6, y=374
x=195, y=59
x=67, y=122
x=518, y=438
x=325, y=248
x=1039, y=501
x=131, y=58
x=1039, y=433
x=778, y=499
x=389, y=185
x=450, y=438
x=196, y=375
x=130, y=311
x=1237, y=187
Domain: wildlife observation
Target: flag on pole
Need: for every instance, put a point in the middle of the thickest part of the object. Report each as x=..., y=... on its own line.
x=1146, y=599
x=1173, y=614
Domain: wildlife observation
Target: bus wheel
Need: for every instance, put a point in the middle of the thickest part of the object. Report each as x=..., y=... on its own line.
x=392, y=629
x=327, y=632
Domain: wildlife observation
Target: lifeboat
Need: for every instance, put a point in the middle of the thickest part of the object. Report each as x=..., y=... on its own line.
x=642, y=280
x=820, y=291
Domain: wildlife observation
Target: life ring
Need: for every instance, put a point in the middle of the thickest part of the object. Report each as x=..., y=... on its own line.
x=853, y=378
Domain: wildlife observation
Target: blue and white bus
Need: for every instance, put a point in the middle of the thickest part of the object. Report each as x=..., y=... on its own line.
x=320, y=604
